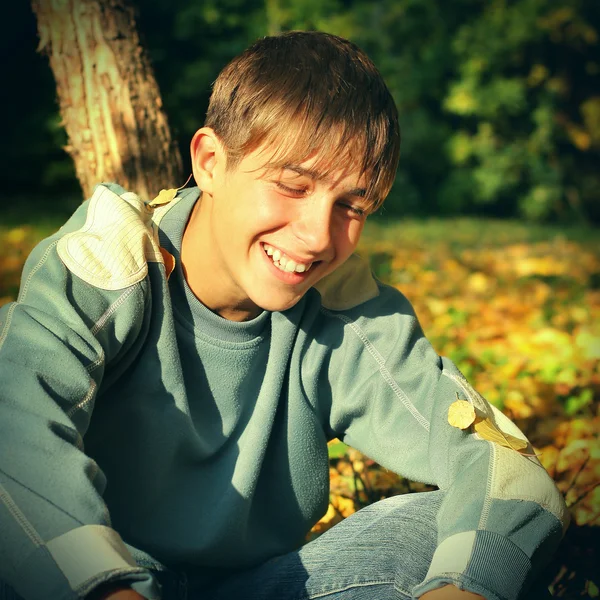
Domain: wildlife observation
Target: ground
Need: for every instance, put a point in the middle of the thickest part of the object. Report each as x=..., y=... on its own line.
x=517, y=308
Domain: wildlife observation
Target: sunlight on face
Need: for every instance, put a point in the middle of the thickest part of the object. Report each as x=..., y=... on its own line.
x=265, y=235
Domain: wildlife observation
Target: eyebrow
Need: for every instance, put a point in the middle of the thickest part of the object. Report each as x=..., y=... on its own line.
x=316, y=176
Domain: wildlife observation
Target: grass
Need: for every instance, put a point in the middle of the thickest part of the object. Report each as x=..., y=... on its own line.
x=473, y=232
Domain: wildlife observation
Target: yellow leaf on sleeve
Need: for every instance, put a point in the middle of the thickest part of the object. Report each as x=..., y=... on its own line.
x=489, y=431
x=461, y=414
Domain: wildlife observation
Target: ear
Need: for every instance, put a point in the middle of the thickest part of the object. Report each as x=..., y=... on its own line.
x=206, y=152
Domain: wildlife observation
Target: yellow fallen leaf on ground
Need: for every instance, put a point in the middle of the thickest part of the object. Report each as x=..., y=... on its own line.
x=345, y=506
x=17, y=235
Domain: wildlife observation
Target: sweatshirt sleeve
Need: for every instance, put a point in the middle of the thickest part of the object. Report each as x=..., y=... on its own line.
x=502, y=516
x=56, y=343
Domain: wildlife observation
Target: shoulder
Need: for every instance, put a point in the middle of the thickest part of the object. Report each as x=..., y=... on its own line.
x=110, y=241
x=355, y=315
x=90, y=276
x=352, y=293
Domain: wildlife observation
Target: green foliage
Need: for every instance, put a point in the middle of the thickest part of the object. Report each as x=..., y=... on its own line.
x=498, y=104
x=31, y=153
x=499, y=101
x=524, y=122
x=337, y=449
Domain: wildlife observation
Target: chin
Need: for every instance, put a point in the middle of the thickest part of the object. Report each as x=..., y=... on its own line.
x=278, y=305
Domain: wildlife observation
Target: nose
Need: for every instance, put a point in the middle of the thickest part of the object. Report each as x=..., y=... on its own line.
x=313, y=227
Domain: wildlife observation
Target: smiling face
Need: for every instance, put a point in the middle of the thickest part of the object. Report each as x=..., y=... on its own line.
x=260, y=238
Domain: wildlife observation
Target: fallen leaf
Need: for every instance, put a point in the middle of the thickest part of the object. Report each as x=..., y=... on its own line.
x=164, y=197
x=461, y=414
x=489, y=431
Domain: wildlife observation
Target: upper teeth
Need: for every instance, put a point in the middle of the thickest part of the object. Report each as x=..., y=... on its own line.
x=285, y=263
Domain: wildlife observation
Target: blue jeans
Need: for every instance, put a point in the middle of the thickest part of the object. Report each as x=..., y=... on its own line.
x=379, y=553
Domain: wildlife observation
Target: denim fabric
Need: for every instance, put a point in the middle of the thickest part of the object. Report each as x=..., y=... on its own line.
x=379, y=553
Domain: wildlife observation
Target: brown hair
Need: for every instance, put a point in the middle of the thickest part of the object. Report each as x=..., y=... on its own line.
x=303, y=93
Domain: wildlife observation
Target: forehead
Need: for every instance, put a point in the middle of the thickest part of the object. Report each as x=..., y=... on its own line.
x=343, y=178
x=332, y=165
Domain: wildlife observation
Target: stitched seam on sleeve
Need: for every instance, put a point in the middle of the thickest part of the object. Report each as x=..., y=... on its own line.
x=94, y=365
x=86, y=400
x=21, y=519
x=23, y=292
x=6, y=327
x=460, y=383
x=487, y=503
x=25, y=287
x=111, y=309
x=485, y=512
x=386, y=375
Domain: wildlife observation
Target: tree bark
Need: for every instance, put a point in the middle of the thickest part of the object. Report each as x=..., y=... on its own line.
x=109, y=99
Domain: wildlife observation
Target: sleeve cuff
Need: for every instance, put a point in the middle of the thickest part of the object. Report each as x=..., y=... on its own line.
x=86, y=557
x=482, y=562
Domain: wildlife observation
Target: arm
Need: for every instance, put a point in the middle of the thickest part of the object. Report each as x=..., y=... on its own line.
x=502, y=516
x=55, y=345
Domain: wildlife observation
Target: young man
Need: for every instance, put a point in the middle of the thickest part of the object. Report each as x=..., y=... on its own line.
x=171, y=374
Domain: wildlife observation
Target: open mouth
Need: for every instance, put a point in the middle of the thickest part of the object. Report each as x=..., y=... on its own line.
x=284, y=262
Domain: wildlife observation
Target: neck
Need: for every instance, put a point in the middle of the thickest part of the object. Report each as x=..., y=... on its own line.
x=206, y=282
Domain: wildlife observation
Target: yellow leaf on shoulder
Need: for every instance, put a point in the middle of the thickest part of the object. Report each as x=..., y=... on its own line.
x=461, y=414
x=489, y=431
x=164, y=197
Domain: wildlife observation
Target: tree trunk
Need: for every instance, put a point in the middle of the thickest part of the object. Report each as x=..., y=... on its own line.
x=109, y=99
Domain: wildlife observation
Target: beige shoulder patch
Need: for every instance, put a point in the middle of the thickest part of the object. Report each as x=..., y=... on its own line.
x=515, y=475
x=112, y=250
x=348, y=286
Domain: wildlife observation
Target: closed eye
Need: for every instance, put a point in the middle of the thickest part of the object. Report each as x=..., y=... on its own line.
x=354, y=210
x=299, y=191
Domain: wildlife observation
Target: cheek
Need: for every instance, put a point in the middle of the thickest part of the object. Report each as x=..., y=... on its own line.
x=347, y=235
x=271, y=209
x=356, y=231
